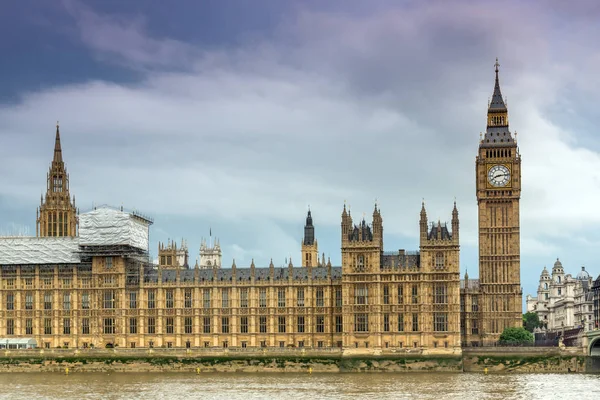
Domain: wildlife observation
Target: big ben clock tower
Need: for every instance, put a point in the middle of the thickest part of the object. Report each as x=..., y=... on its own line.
x=498, y=176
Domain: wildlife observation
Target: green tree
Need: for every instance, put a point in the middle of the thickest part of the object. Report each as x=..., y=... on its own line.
x=531, y=321
x=516, y=337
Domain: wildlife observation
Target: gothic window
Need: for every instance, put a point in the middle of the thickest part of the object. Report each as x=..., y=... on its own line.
x=338, y=297
x=361, y=294
x=85, y=326
x=400, y=295
x=320, y=324
x=67, y=301
x=440, y=295
x=244, y=325
x=439, y=260
x=545, y=286
x=187, y=298
x=188, y=325
x=281, y=324
x=206, y=298
x=244, y=297
x=361, y=263
x=440, y=322
x=262, y=297
x=386, y=322
x=361, y=322
x=400, y=322
x=109, y=299
x=281, y=297
x=151, y=299
x=320, y=297
x=415, y=294
x=85, y=301
x=133, y=325
x=151, y=326
x=169, y=298
x=206, y=325
x=415, y=322
x=263, y=325
x=474, y=304
x=170, y=325
x=10, y=301
x=225, y=325
x=29, y=301
x=66, y=326
x=338, y=324
x=29, y=326
x=386, y=294
x=109, y=326
x=300, y=300
x=225, y=298
x=300, y=324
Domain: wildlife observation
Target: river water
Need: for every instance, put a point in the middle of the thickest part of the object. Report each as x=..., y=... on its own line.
x=297, y=386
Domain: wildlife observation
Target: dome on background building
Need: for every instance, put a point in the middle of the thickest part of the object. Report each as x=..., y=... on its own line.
x=545, y=274
x=558, y=268
x=583, y=275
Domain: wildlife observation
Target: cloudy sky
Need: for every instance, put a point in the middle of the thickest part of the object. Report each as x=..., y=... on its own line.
x=238, y=115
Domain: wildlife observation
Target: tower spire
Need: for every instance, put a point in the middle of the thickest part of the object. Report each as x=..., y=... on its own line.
x=57, y=148
x=497, y=103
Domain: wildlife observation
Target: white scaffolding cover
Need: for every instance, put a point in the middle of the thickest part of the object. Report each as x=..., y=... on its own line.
x=34, y=250
x=109, y=227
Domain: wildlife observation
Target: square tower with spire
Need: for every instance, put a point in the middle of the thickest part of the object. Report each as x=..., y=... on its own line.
x=498, y=182
x=57, y=214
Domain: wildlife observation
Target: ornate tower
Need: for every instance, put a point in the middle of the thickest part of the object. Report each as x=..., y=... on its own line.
x=362, y=251
x=172, y=257
x=210, y=253
x=498, y=180
x=310, y=247
x=57, y=215
x=440, y=268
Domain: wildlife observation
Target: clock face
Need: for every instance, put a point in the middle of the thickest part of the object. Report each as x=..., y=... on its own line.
x=499, y=175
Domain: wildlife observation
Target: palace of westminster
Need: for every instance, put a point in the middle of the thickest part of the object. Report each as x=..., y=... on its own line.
x=85, y=280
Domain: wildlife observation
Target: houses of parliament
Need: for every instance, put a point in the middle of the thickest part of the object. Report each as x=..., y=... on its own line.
x=86, y=280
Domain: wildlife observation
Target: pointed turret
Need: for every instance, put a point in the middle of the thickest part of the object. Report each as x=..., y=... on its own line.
x=57, y=148
x=423, y=223
x=455, y=223
x=309, y=230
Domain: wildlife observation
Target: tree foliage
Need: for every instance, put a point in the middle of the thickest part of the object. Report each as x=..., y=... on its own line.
x=531, y=321
x=516, y=337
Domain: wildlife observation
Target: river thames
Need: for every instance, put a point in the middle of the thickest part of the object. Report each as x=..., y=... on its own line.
x=298, y=386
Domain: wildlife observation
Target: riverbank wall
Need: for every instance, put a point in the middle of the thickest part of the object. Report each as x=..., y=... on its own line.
x=483, y=360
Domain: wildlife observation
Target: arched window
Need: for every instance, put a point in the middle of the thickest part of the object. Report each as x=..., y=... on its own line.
x=361, y=262
x=546, y=286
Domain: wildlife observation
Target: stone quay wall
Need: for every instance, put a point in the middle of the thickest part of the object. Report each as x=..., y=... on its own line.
x=199, y=361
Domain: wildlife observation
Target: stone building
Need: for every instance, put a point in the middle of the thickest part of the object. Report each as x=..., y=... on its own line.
x=563, y=302
x=96, y=286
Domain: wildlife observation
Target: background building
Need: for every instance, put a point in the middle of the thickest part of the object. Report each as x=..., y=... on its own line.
x=564, y=302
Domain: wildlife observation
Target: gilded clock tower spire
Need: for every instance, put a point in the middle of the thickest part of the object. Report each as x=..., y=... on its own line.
x=498, y=180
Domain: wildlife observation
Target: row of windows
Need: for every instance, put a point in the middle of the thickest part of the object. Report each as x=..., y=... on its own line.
x=109, y=326
x=440, y=294
x=109, y=299
x=440, y=323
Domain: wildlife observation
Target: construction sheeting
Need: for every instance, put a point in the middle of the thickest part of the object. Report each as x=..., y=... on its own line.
x=34, y=250
x=109, y=227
